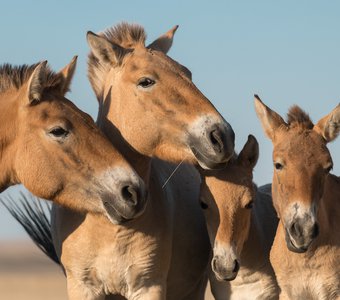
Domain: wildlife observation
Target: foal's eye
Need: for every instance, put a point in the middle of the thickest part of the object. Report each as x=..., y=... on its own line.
x=328, y=169
x=249, y=205
x=278, y=166
x=145, y=82
x=203, y=205
x=58, y=132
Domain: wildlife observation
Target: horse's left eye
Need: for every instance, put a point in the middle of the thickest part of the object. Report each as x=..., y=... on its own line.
x=203, y=205
x=145, y=82
x=250, y=205
x=328, y=169
x=58, y=132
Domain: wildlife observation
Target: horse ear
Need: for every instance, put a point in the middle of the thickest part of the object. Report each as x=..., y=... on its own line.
x=270, y=120
x=250, y=153
x=329, y=126
x=36, y=83
x=105, y=51
x=67, y=74
x=164, y=42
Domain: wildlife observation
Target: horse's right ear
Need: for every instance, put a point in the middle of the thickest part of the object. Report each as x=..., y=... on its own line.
x=270, y=120
x=329, y=126
x=36, y=83
x=250, y=153
x=104, y=50
x=164, y=42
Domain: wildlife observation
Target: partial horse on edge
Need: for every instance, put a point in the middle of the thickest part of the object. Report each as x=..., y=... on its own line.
x=306, y=250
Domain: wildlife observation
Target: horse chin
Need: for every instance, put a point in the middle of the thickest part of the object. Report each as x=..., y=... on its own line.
x=113, y=215
x=220, y=278
x=206, y=163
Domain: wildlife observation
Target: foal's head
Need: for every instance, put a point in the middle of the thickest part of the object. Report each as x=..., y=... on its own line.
x=152, y=101
x=56, y=151
x=302, y=163
x=227, y=197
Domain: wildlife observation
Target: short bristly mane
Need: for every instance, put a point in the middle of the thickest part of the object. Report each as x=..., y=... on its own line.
x=16, y=76
x=296, y=116
x=125, y=35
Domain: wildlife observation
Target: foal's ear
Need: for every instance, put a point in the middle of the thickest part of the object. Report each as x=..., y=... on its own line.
x=105, y=51
x=67, y=74
x=250, y=153
x=329, y=126
x=36, y=83
x=270, y=120
x=164, y=42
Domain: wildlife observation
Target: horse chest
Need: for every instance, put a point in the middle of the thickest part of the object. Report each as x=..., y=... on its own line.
x=311, y=275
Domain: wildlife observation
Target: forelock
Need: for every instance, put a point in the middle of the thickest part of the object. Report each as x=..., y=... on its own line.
x=297, y=116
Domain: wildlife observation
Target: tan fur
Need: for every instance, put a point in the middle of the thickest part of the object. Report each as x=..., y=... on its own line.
x=164, y=253
x=305, y=181
x=226, y=194
x=63, y=170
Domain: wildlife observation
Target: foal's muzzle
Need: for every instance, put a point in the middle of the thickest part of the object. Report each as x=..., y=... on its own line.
x=300, y=233
x=225, y=269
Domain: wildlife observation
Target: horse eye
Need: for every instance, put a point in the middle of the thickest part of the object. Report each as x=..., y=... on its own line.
x=250, y=205
x=278, y=166
x=145, y=82
x=328, y=169
x=59, y=132
x=203, y=205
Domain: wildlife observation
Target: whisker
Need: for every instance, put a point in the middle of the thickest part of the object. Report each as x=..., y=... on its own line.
x=174, y=171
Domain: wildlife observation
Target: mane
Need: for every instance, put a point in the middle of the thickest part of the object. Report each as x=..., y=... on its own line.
x=125, y=35
x=296, y=116
x=16, y=76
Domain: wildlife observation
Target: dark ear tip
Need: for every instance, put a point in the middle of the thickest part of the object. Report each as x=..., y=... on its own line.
x=256, y=96
x=90, y=34
x=43, y=63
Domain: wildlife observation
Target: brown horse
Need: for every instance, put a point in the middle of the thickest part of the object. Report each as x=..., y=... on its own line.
x=56, y=151
x=151, y=110
x=241, y=224
x=306, y=250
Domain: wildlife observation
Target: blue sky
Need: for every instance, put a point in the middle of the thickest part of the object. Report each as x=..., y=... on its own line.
x=287, y=52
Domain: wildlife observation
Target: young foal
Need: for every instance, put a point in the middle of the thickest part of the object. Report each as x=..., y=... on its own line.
x=306, y=250
x=47, y=144
x=241, y=225
x=149, y=108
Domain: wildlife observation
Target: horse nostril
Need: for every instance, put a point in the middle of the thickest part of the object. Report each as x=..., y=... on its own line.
x=213, y=264
x=130, y=194
x=216, y=140
x=236, y=266
x=295, y=229
x=315, y=231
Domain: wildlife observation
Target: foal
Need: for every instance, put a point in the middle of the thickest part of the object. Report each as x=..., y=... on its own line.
x=241, y=225
x=55, y=150
x=151, y=110
x=306, y=250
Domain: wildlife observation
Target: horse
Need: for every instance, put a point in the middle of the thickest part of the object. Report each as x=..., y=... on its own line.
x=241, y=223
x=56, y=151
x=306, y=250
x=159, y=120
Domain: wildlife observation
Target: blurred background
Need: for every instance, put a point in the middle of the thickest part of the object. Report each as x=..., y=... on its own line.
x=287, y=52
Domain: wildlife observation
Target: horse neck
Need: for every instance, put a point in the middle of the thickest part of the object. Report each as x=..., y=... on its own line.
x=9, y=112
x=329, y=207
x=140, y=162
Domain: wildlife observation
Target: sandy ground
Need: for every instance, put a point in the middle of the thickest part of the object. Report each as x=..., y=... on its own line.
x=27, y=274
